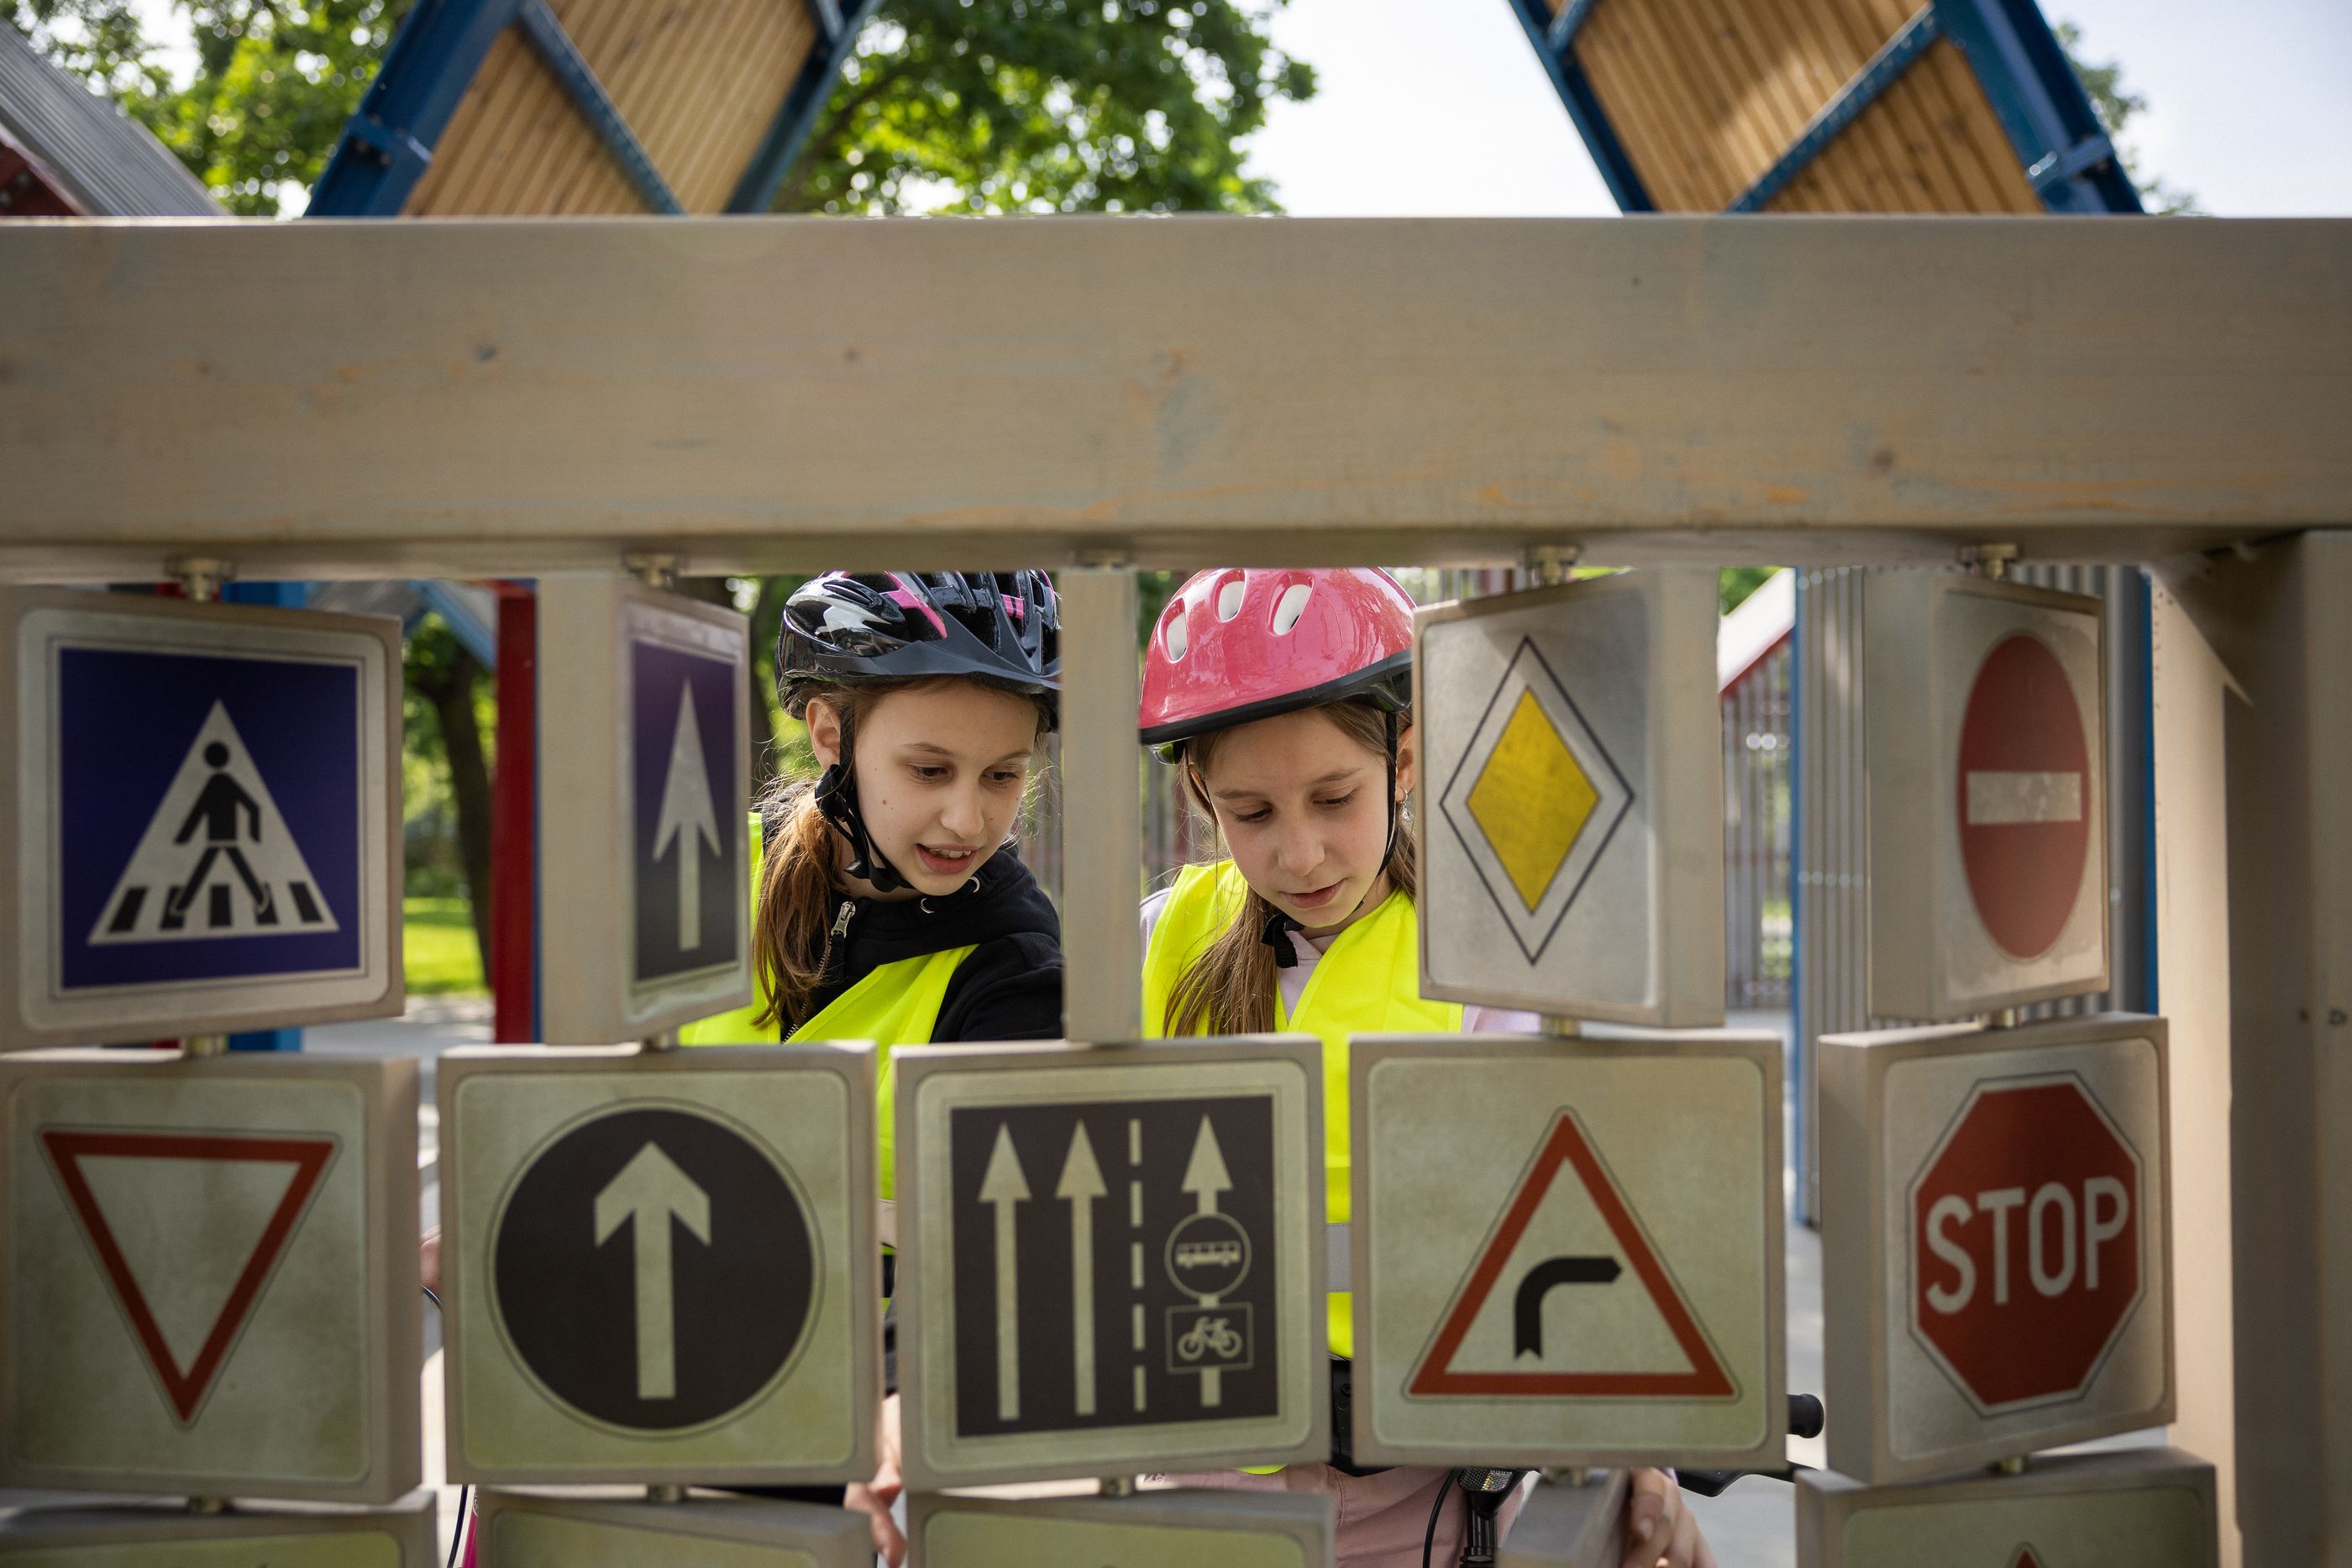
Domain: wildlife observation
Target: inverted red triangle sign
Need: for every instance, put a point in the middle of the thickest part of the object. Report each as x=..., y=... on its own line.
x=184, y=1387
x=1567, y=1146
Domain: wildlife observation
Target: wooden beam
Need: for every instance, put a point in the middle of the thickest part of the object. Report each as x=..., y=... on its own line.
x=498, y=398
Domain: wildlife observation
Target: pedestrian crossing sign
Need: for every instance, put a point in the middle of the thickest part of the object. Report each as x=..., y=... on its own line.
x=206, y=821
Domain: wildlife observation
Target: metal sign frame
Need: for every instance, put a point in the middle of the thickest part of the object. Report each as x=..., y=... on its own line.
x=1306, y=1521
x=1671, y=785
x=1534, y=1428
x=1866, y=1279
x=797, y=1532
x=1829, y=1505
x=588, y=989
x=842, y=1221
x=388, y=1423
x=1914, y=709
x=1563, y=1525
x=160, y=1529
x=36, y=1008
x=933, y=1080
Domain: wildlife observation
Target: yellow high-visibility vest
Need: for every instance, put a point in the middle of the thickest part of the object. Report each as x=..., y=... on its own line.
x=1367, y=983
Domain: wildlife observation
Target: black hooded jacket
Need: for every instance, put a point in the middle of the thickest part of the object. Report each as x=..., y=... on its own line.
x=1008, y=987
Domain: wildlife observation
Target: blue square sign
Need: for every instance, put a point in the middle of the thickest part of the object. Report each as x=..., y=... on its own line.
x=689, y=835
x=204, y=817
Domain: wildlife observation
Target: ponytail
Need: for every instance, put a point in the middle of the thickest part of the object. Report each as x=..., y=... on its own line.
x=1229, y=988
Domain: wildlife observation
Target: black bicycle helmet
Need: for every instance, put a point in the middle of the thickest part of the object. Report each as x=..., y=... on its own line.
x=854, y=628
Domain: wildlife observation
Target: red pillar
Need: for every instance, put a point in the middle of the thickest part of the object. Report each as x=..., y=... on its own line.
x=514, y=823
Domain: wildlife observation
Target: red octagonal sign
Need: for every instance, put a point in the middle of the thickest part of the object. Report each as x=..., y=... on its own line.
x=2025, y=1256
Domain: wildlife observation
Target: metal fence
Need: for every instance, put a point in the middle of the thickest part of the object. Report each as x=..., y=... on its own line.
x=1832, y=881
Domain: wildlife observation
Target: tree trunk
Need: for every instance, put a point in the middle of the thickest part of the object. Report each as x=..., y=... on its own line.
x=451, y=692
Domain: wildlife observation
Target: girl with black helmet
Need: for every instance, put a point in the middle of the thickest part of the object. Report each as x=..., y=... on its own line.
x=891, y=905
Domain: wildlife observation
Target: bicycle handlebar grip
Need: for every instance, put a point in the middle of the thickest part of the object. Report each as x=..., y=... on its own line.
x=1805, y=1416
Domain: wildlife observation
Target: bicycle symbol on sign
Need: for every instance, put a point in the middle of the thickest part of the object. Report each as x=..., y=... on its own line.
x=1210, y=1335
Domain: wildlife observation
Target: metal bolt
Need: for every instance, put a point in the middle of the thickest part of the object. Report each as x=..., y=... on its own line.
x=665, y=1492
x=196, y=1045
x=1989, y=560
x=654, y=568
x=1549, y=563
x=200, y=577
x=1116, y=1486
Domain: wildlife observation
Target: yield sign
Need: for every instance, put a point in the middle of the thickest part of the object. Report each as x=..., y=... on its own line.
x=1627, y=1332
x=88, y=1163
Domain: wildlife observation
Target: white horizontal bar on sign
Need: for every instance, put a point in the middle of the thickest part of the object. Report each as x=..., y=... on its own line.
x=1195, y=390
x=1996, y=799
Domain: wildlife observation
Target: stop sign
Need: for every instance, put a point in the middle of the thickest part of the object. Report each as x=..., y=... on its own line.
x=2025, y=1251
x=2024, y=772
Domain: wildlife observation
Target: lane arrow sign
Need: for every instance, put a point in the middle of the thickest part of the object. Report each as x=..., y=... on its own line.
x=646, y=1195
x=1081, y=1183
x=689, y=817
x=1001, y=1187
x=1205, y=1177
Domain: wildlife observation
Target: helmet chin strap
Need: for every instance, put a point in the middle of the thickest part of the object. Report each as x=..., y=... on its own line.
x=836, y=797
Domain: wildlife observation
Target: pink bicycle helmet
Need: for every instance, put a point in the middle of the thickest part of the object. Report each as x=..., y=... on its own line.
x=1239, y=644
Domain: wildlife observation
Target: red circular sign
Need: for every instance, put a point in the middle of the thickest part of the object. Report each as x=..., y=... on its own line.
x=2025, y=1256
x=2024, y=796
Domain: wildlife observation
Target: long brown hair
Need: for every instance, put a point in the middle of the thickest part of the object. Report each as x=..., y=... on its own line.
x=792, y=929
x=1230, y=987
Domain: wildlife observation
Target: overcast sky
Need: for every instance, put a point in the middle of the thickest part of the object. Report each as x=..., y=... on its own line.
x=2250, y=106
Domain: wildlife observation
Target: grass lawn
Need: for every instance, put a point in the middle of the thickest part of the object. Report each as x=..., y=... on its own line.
x=438, y=948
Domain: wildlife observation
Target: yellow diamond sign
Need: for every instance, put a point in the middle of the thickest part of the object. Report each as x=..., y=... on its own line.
x=1531, y=799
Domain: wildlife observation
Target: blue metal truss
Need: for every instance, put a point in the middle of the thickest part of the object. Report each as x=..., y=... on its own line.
x=756, y=192
x=1568, y=79
x=387, y=145
x=1874, y=78
x=2040, y=101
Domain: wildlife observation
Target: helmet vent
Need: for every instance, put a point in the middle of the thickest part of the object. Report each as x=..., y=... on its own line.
x=1173, y=637
x=1229, y=598
x=1290, y=607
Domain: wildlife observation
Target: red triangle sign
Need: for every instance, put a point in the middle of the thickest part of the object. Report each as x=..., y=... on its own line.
x=1566, y=1146
x=186, y=1387
x=2025, y=1559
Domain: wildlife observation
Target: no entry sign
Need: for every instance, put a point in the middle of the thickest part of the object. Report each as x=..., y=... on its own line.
x=1112, y=1257
x=1994, y=1249
x=1986, y=759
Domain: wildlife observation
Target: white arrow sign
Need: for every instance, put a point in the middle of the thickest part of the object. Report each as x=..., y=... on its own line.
x=689, y=818
x=1001, y=1187
x=646, y=1195
x=1204, y=1177
x=1081, y=1183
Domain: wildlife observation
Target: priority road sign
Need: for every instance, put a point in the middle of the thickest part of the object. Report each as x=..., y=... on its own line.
x=527, y=1530
x=1572, y=839
x=170, y=1536
x=644, y=873
x=1152, y=1529
x=205, y=799
x=1995, y=1245
x=2147, y=1508
x=212, y=1275
x=1110, y=1259
x=660, y=1266
x=1985, y=726
x=1568, y=1253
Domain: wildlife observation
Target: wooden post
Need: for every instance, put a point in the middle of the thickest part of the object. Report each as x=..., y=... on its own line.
x=1102, y=812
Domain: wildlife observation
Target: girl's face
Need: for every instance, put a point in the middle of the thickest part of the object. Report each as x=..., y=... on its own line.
x=1299, y=800
x=941, y=770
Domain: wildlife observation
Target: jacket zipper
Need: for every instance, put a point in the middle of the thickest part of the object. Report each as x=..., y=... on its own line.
x=840, y=929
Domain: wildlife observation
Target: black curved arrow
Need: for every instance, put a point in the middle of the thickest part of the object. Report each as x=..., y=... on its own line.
x=1527, y=1311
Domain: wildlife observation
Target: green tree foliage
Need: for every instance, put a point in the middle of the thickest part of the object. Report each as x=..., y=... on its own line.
x=2116, y=106
x=275, y=80
x=1045, y=106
